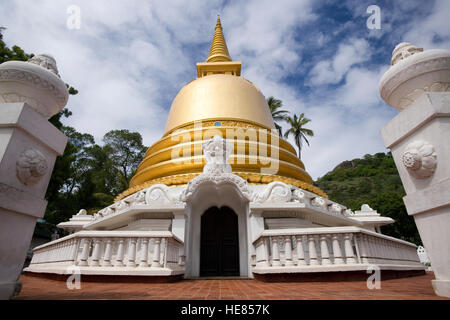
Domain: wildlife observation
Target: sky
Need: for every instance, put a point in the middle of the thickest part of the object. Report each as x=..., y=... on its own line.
x=129, y=59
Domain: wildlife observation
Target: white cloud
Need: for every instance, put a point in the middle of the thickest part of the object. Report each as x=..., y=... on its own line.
x=332, y=71
x=433, y=31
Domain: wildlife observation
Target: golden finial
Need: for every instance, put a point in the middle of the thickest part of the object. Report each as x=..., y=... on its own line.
x=219, y=50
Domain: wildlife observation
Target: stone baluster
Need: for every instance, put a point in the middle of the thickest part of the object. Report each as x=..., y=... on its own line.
x=337, y=253
x=349, y=254
x=376, y=243
x=267, y=247
x=312, y=251
x=85, y=252
x=300, y=251
x=370, y=249
x=324, y=249
x=275, y=252
x=156, y=253
x=363, y=248
x=96, y=253
x=132, y=253
x=181, y=257
x=288, y=251
x=120, y=253
x=261, y=253
x=108, y=253
x=144, y=253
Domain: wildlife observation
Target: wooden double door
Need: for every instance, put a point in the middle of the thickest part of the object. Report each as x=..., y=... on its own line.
x=219, y=243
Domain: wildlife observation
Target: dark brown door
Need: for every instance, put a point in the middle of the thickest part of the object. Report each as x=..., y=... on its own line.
x=219, y=243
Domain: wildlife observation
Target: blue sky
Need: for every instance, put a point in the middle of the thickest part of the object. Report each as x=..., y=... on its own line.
x=130, y=58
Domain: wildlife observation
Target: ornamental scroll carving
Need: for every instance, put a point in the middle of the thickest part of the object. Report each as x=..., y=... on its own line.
x=420, y=159
x=31, y=166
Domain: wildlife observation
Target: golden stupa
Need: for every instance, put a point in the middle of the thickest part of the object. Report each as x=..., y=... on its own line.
x=218, y=101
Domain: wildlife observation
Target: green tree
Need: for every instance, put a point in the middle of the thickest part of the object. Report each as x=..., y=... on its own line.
x=277, y=114
x=298, y=130
x=14, y=53
x=126, y=151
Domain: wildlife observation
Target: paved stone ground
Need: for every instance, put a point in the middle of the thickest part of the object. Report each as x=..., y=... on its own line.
x=418, y=287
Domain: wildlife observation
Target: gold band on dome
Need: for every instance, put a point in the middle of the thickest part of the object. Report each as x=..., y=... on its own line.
x=252, y=178
x=158, y=167
x=158, y=161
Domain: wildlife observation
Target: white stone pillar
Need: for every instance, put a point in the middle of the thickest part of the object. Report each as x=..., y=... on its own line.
x=261, y=253
x=156, y=253
x=29, y=144
x=324, y=249
x=120, y=253
x=300, y=251
x=337, y=253
x=85, y=252
x=417, y=85
x=349, y=254
x=275, y=252
x=288, y=251
x=144, y=253
x=108, y=253
x=363, y=250
x=96, y=253
x=312, y=250
x=132, y=253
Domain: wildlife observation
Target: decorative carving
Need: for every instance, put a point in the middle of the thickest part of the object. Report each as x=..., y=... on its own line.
x=31, y=166
x=35, y=80
x=274, y=192
x=105, y=212
x=139, y=197
x=420, y=159
x=335, y=208
x=82, y=212
x=230, y=178
x=46, y=61
x=403, y=50
x=122, y=204
x=298, y=196
x=217, y=152
x=319, y=202
x=159, y=194
x=366, y=210
x=348, y=212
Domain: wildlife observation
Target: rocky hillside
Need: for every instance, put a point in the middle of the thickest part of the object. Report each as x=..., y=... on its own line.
x=373, y=180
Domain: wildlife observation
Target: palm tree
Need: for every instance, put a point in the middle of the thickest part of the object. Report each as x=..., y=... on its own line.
x=298, y=131
x=277, y=115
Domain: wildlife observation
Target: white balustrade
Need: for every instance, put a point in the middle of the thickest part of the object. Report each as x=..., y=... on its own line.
x=331, y=246
x=113, y=249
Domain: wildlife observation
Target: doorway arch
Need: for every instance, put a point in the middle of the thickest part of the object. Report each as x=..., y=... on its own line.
x=206, y=195
x=219, y=242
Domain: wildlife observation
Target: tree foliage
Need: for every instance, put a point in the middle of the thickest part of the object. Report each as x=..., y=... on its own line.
x=278, y=114
x=298, y=130
x=373, y=180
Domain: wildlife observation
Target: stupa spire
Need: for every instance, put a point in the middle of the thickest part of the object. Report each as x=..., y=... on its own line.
x=219, y=50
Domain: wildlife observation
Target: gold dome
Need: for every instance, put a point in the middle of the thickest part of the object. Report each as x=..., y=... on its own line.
x=219, y=96
x=222, y=102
